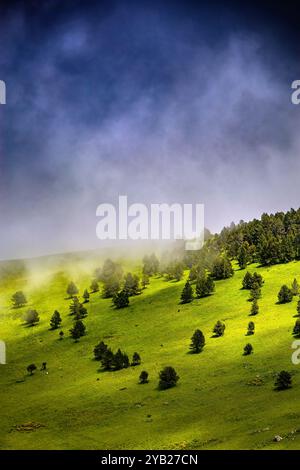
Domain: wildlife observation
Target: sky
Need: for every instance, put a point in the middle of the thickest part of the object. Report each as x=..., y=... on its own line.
x=186, y=102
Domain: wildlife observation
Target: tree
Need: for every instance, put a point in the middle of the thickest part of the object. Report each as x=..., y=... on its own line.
x=243, y=255
x=78, y=330
x=100, y=350
x=204, y=286
x=145, y=281
x=94, y=286
x=187, y=293
x=136, y=359
x=255, y=292
x=248, y=349
x=296, y=330
x=198, y=342
x=295, y=287
x=31, y=368
x=55, y=320
x=251, y=328
x=121, y=299
x=254, y=308
x=131, y=284
x=150, y=265
x=111, y=275
x=86, y=295
x=222, y=268
x=31, y=317
x=61, y=335
x=18, y=299
x=118, y=360
x=107, y=360
x=72, y=289
x=283, y=380
x=168, y=378
x=247, y=281
x=143, y=379
x=219, y=329
x=285, y=295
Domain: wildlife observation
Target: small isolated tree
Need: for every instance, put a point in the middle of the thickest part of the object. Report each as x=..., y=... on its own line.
x=204, y=286
x=100, y=350
x=219, y=329
x=18, y=299
x=86, y=295
x=55, y=320
x=61, y=335
x=254, y=308
x=72, y=289
x=167, y=378
x=285, y=295
x=145, y=281
x=283, y=380
x=31, y=368
x=121, y=299
x=94, y=286
x=248, y=349
x=143, y=379
x=136, y=359
x=296, y=329
x=78, y=330
x=31, y=317
x=107, y=360
x=187, y=293
x=251, y=328
x=198, y=342
x=131, y=284
x=295, y=287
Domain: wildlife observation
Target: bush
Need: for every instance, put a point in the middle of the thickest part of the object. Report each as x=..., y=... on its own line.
x=219, y=329
x=248, y=349
x=136, y=359
x=283, y=380
x=285, y=295
x=31, y=368
x=168, y=378
x=254, y=308
x=251, y=328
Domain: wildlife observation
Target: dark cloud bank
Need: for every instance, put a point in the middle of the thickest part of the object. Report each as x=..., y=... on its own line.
x=158, y=103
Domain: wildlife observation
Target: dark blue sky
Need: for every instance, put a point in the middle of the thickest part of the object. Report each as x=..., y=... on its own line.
x=162, y=101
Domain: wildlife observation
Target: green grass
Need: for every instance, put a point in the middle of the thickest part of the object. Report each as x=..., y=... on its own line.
x=213, y=405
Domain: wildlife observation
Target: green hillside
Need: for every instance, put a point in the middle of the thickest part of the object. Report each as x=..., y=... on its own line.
x=223, y=400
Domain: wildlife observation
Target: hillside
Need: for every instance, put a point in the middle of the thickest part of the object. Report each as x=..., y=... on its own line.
x=216, y=404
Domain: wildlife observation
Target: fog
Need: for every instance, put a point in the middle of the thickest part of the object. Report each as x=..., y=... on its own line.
x=143, y=104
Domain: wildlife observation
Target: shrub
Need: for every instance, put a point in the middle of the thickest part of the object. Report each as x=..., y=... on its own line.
x=283, y=380
x=31, y=368
x=219, y=329
x=248, y=349
x=251, y=328
x=143, y=379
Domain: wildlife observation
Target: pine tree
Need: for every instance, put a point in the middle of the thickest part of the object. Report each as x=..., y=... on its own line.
x=107, y=360
x=247, y=281
x=78, y=330
x=219, y=329
x=204, y=286
x=121, y=299
x=168, y=378
x=285, y=295
x=100, y=350
x=295, y=287
x=86, y=295
x=296, y=330
x=72, y=289
x=136, y=359
x=254, y=308
x=94, y=286
x=131, y=284
x=283, y=380
x=243, y=255
x=198, y=342
x=298, y=307
x=74, y=306
x=55, y=320
x=187, y=293
x=145, y=281
x=251, y=328
x=255, y=292
x=248, y=349
x=143, y=379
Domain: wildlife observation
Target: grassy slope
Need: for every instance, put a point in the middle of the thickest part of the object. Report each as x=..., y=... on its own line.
x=213, y=405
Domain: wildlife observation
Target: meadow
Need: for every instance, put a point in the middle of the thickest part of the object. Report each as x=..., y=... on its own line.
x=223, y=400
